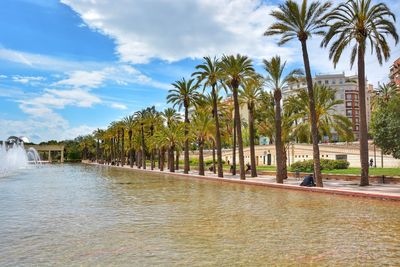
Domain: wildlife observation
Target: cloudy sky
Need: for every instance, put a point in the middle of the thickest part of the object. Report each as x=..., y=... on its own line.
x=68, y=67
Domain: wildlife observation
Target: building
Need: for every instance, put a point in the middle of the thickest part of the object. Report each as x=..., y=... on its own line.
x=347, y=90
x=395, y=73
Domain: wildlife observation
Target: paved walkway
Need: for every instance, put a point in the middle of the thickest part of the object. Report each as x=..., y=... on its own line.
x=339, y=187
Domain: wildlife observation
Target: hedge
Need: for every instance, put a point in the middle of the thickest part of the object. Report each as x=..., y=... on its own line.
x=326, y=164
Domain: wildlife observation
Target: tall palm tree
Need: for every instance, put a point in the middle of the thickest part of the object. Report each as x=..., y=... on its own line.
x=235, y=69
x=276, y=81
x=360, y=23
x=171, y=116
x=140, y=115
x=209, y=72
x=129, y=122
x=184, y=95
x=326, y=114
x=249, y=94
x=301, y=22
x=203, y=127
x=384, y=94
x=153, y=119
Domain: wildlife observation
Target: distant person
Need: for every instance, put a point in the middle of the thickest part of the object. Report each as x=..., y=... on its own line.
x=248, y=167
x=308, y=181
x=211, y=168
x=371, y=162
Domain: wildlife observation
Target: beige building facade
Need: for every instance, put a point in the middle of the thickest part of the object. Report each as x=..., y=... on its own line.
x=346, y=88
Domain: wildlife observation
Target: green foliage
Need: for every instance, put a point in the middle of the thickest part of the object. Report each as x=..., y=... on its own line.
x=326, y=164
x=385, y=127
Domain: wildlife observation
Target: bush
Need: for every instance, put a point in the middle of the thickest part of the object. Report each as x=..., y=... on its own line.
x=326, y=164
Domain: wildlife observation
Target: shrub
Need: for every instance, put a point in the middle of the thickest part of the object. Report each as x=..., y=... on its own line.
x=326, y=164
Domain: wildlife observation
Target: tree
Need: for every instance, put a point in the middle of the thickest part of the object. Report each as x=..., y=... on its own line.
x=384, y=94
x=301, y=22
x=184, y=94
x=249, y=94
x=385, y=127
x=276, y=81
x=326, y=114
x=130, y=122
x=209, y=72
x=203, y=128
x=235, y=69
x=153, y=119
x=358, y=22
x=140, y=116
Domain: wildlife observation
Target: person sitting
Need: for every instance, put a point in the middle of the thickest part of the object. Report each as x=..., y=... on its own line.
x=211, y=168
x=248, y=167
x=308, y=181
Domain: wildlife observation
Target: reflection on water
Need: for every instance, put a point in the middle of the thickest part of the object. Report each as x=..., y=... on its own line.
x=88, y=215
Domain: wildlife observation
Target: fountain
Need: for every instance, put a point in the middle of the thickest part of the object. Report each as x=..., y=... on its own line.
x=14, y=156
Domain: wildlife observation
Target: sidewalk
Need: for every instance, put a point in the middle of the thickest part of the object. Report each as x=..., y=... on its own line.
x=338, y=187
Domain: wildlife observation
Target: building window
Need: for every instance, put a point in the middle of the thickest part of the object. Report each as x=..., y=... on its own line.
x=319, y=82
x=357, y=128
x=356, y=104
x=333, y=82
x=348, y=96
x=356, y=112
x=341, y=81
x=348, y=104
x=356, y=97
x=326, y=82
x=349, y=113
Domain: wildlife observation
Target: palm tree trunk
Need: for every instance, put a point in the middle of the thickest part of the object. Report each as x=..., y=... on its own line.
x=122, y=147
x=313, y=115
x=171, y=156
x=201, y=158
x=239, y=133
x=217, y=133
x=284, y=168
x=177, y=160
x=161, y=160
x=131, y=153
x=152, y=159
x=252, y=148
x=143, y=150
x=213, y=157
x=278, y=137
x=234, y=147
x=363, y=118
x=186, y=155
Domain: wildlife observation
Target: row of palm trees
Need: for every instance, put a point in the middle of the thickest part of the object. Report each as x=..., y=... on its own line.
x=305, y=117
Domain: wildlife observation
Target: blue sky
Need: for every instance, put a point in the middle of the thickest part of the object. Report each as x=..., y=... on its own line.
x=68, y=67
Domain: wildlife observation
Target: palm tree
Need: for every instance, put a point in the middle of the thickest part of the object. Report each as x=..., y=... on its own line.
x=326, y=114
x=301, y=22
x=359, y=22
x=384, y=94
x=249, y=94
x=184, y=94
x=276, y=82
x=141, y=117
x=153, y=119
x=171, y=116
x=210, y=73
x=235, y=69
x=203, y=127
x=129, y=122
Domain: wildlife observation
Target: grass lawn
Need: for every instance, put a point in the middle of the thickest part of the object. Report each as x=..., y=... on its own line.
x=357, y=171
x=372, y=171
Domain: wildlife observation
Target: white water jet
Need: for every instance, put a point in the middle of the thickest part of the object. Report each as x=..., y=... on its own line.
x=13, y=155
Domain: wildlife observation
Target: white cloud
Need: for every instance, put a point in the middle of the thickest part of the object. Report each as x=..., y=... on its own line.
x=83, y=79
x=174, y=30
x=27, y=79
x=118, y=106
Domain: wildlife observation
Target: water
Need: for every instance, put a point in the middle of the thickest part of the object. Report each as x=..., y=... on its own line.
x=73, y=215
x=14, y=157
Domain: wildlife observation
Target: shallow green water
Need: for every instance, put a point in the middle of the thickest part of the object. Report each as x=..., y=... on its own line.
x=76, y=215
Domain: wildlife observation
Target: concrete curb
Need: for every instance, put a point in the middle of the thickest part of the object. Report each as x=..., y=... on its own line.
x=266, y=184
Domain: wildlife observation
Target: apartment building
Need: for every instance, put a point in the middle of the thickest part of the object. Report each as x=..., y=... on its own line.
x=347, y=90
x=395, y=72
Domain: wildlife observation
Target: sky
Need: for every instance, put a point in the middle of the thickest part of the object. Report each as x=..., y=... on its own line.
x=69, y=67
